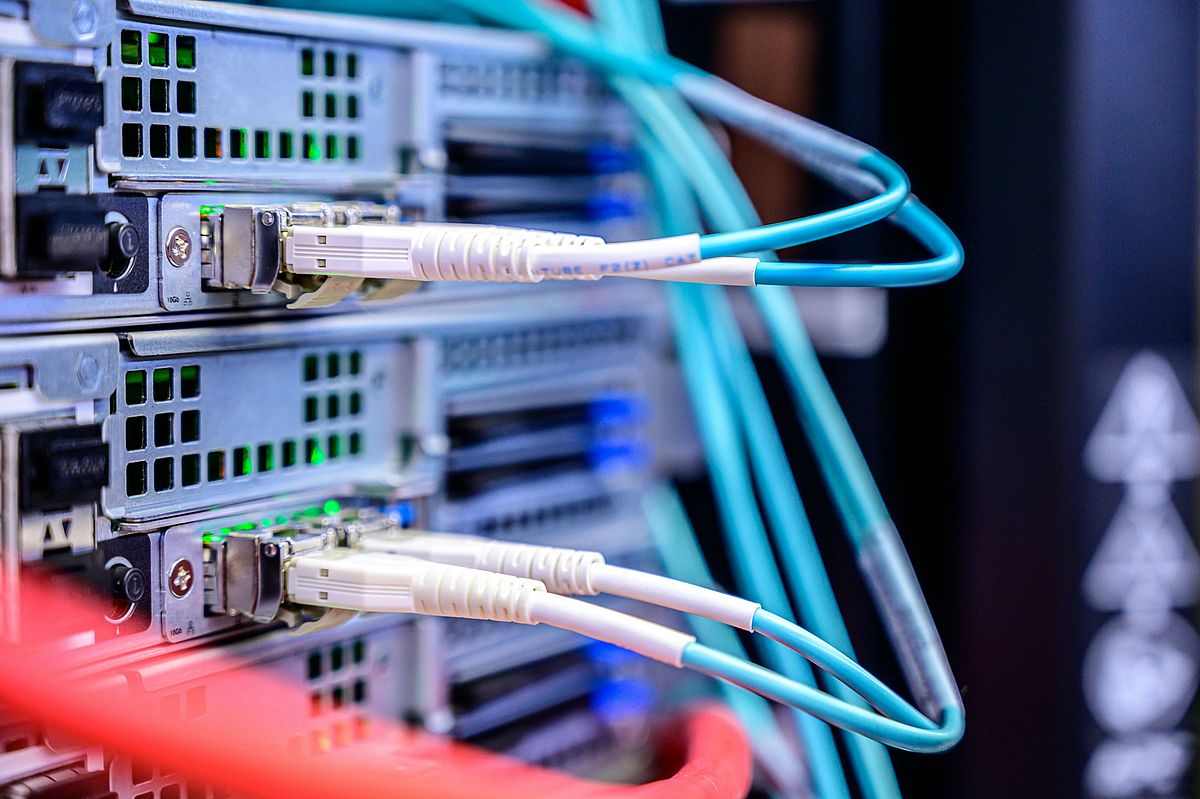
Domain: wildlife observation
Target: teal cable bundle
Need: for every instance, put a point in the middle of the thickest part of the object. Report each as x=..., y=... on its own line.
x=870, y=759
x=682, y=559
x=731, y=416
x=667, y=519
x=750, y=555
x=765, y=682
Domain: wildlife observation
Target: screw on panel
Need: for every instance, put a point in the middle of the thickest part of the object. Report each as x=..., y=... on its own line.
x=179, y=247
x=83, y=19
x=88, y=372
x=181, y=578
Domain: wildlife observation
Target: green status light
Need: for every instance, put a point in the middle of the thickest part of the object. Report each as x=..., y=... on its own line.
x=331, y=507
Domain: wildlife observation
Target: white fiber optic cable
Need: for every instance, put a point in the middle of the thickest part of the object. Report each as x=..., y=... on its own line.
x=449, y=252
x=569, y=571
x=378, y=581
x=585, y=573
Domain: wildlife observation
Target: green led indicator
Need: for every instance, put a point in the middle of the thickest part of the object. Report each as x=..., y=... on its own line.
x=131, y=47
x=313, y=452
x=281, y=519
x=226, y=530
x=331, y=507
x=311, y=512
x=212, y=538
x=209, y=210
x=185, y=52
x=312, y=150
x=135, y=387
x=238, y=146
x=245, y=526
x=158, y=49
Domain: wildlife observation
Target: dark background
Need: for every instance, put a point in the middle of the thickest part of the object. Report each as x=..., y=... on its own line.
x=1059, y=141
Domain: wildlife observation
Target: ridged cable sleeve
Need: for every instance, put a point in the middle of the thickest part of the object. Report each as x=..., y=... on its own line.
x=443, y=252
x=571, y=571
x=564, y=571
x=376, y=581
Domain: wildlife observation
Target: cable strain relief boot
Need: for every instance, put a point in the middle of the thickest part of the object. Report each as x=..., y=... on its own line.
x=444, y=590
x=564, y=571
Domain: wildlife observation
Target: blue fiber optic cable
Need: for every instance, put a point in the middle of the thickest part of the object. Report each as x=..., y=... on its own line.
x=793, y=694
x=931, y=231
x=667, y=520
x=751, y=558
x=798, y=548
x=789, y=524
x=818, y=226
x=868, y=525
x=882, y=558
x=801, y=557
x=846, y=162
x=682, y=559
x=735, y=500
x=735, y=495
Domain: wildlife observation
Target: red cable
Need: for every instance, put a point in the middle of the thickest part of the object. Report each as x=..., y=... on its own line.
x=244, y=740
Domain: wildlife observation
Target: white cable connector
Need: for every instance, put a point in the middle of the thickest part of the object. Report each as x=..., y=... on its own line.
x=343, y=578
x=449, y=252
x=569, y=571
x=380, y=582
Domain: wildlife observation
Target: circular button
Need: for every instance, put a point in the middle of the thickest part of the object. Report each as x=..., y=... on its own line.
x=129, y=582
x=124, y=241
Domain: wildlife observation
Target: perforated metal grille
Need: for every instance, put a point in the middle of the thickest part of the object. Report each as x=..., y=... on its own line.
x=536, y=345
x=522, y=81
x=299, y=104
x=231, y=426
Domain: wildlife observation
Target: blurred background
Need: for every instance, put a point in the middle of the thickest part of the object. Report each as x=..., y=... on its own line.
x=1058, y=139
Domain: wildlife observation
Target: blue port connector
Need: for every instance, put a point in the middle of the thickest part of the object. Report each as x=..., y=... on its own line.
x=605, y=158
x=405, y=512
x=615, y=409
x=623, y=692
x=617, y=456
x=616, y=442
x=607, y=206
x=628, y=697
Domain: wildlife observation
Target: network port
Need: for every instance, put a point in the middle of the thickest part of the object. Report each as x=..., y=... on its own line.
x=244, y=570
x=242, y=245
